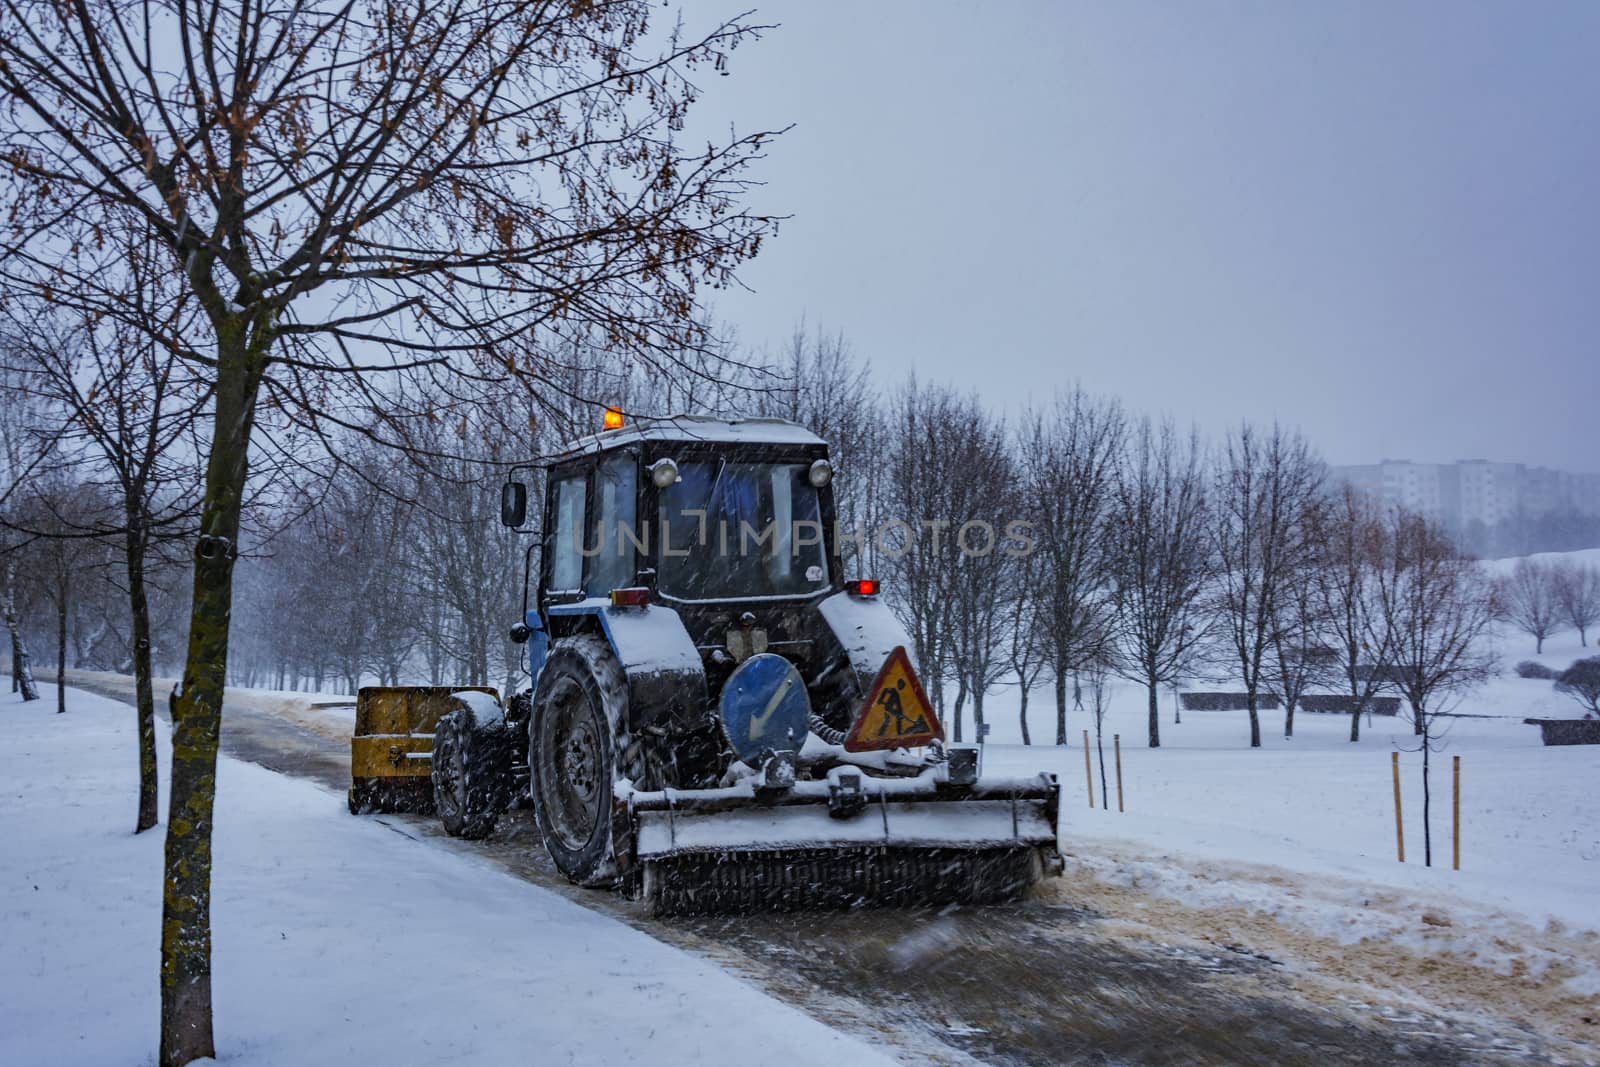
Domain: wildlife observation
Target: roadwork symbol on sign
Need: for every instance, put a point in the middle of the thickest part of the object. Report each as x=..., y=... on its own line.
x=897, y=713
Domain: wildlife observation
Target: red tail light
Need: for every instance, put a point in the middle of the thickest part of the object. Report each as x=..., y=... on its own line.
x=636, y=597
x=862, y=587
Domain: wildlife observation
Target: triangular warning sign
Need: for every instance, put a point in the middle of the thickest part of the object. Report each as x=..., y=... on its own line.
x=897, y=713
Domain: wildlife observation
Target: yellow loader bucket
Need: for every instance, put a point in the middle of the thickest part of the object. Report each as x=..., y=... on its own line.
x=392, y=748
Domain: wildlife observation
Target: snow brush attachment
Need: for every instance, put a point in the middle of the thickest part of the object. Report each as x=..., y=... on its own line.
x=845, y=842
x=828, y=879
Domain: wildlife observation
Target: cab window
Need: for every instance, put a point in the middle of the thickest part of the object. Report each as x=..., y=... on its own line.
x=612, y=565
x=566, y=564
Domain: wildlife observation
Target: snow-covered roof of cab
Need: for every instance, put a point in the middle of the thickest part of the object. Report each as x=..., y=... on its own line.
x=708, y=428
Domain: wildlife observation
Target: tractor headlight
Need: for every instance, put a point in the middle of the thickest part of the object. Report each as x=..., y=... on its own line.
x=821, y=473
x=663, y=473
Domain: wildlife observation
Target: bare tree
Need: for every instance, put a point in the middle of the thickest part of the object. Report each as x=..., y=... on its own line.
x=981, y=500
x=946, y=468
x=22, y=680
x=1440, y=609
x=1299, y=656
x=1352, y=546
x=921, y=573
x=1159, y=560
x=465, y=566
x=1069, y=454
x=1262, y=488
x=62, y=554
x=374, y=202
x=1528, y=600
x=129, y=407
x=392, y=619
x=1096, y=675
x=1026, y=651
x=1581, y=682
x=19, y=420
x=61, y=518
x=1577, y=596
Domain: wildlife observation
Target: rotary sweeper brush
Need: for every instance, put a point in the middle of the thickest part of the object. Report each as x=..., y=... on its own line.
x=719, y=721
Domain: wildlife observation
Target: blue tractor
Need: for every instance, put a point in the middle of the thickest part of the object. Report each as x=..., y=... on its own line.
x=719, y=720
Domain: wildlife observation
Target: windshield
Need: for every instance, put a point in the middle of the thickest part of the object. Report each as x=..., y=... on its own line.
x=741, y=530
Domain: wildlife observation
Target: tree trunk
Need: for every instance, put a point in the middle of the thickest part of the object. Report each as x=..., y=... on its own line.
x=1061, y=707
x=1155, y=716
x=1023, y=714
x=1416, y=719
x=1255, y=719
x=144, y=688
x=1100, y=746
x=977, y=715
x=1427, y=829
x=1538, y=645
x=186, y=1025
x=1288, y=716
x=1355, y=722
x=62, y=589
x=21, y=661
x=961, y=703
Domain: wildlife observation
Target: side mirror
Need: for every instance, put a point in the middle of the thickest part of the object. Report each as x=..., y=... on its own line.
x=513, y=504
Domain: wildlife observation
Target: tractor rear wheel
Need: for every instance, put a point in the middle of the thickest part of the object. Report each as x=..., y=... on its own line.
x=470, y=772
x=582, y=697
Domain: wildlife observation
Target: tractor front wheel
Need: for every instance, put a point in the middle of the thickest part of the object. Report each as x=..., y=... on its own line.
x=582, y=697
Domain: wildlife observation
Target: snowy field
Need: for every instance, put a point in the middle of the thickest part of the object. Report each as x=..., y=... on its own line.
x=338, y=941
x=1530, y=815
x=1301, y=831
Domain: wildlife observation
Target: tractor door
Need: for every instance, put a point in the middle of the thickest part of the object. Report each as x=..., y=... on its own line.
x=591, y=528
x=566, y=508
x=613, y=525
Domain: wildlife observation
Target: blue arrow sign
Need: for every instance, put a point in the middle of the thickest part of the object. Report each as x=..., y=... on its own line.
x=765, y=706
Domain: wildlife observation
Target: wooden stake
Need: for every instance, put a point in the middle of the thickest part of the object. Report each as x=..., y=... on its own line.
x=1088, y=774
x=1116, y=743
x=1399, y=826
x=1455, y=819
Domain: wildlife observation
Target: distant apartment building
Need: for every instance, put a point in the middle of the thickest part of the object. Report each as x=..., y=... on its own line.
x=1425, y=488
x=1493, y=508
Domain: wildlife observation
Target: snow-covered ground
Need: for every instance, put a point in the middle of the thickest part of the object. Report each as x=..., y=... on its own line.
x=338, y=940
x=1530, y=815
x=1302, y=831
x=381, y=947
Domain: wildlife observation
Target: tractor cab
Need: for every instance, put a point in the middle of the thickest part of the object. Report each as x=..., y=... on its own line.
x=718, y=538
x=703, y=515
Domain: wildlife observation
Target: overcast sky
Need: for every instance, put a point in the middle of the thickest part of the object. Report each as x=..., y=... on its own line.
x=1375, y=221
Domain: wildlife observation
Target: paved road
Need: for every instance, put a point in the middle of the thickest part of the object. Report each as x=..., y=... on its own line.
x=1043, y=981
